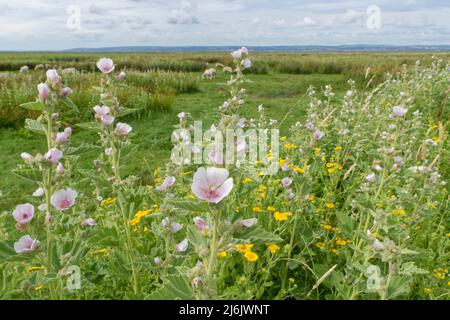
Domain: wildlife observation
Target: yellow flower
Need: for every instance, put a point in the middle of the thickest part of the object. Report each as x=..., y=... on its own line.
x=247, y=180
x=39, y=287
x=317, y=151
x=436, y=139
x=256, y=209
x=398, y=212
x=251, y=256
x=334, y=251
x=35, y=268
x=190, y=196
x=299, y=170
x=312, y=198
x=108, y=201
x=320, y=245
x=146, y=229
x=326, y=226
x=338, y=148
x=290, y=146
x=102, y=251
x=448, y=234
x=282, y=162
x=329, y=205
x=222, y=254
x=158, y=180
x=142, y=213
x=273, y=248
x=427, y=290
x=283, y=138
x=448, y=283
x=342, y=242
x=272, y=209
x=440, y=273
x=282, y=216
x=244, y=247
x=135, y=221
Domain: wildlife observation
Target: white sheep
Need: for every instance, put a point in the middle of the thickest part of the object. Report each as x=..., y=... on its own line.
x=24, y=69
x=227, y=70
x=209, y=74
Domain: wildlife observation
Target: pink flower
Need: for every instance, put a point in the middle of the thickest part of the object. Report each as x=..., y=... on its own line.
x=63, y=137
x=106, y=119
x=200, y=224
x=101, y=111
x=157, y=261
x=26, y=156
x=108, y=152
x=182, y=246
x=246, y=63
x=123, y=129
x=60, y=168
x=23, y=213
x=244, y=51
x=105, y=65
x=53, y=155
x=44, y=91
x=39, y=192
x=53, y=76
x=167, y=183
x=318, y=135
x=237, y=54
x=89, y=222
x=310, y=126
x=399, y=111
x=121, y=75
x=212, y=184
x=63, y=199
x=182, y=115
x=371, y=177
x=25, y=244
x=286, y=182
x=248, y=223
x=66, y=91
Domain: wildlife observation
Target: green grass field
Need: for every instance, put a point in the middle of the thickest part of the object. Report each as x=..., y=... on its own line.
x=279, y=81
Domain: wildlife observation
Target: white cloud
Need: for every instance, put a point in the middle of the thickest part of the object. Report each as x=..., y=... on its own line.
x=307, y=21
x=183, y=15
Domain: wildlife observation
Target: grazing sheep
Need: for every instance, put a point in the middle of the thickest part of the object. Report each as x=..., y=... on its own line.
x=39, y=67
x=209, y=74
x=227, y=69
x=219, y=65
x=24, y=69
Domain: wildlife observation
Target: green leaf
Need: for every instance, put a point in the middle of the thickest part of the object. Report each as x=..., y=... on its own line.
x=258, y=235
x=82, y=148
x=175, y=287
x=69, y=103
x=35, y=106
x=28, y=173
x=190, y=205
x=410, y=268
x=91, y=126
x=35, y=126
x=126, y=111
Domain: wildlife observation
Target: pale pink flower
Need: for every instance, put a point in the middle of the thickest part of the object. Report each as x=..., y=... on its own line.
x=89, y=222
x=121, y=75
x=310, y=126
x=53, y=76
x=175, y=227
x=64, y=199
x=399, y=111
x=108, y=152
x=212, y=184
x=200, y=224
x=123, y=129
x=39, y=192
x=23, y=213
x=66, y=91
x=42, y=207
x=286, y=181
x=106, y=119
x=26, y=156
x=285, y=167
x=63, y=137
x=105, y=65
x=167, y=183
x=182, y=246
x=318, y=135
x=246, y=63
x=182, y=116
x=25, y=244
x=101, y=111
x=60, y=168
x=53, y=155
x=248, y=223
x=371, y=177
x=44, y=91
x=157, y=261
x=244, y=51
x=237, y=54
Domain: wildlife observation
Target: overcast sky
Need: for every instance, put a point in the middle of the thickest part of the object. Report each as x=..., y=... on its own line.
x=53, y=25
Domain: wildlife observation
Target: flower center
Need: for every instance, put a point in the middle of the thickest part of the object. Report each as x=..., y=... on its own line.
x=65, y=203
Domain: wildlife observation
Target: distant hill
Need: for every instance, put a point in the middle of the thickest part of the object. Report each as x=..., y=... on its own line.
x=310, y=48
